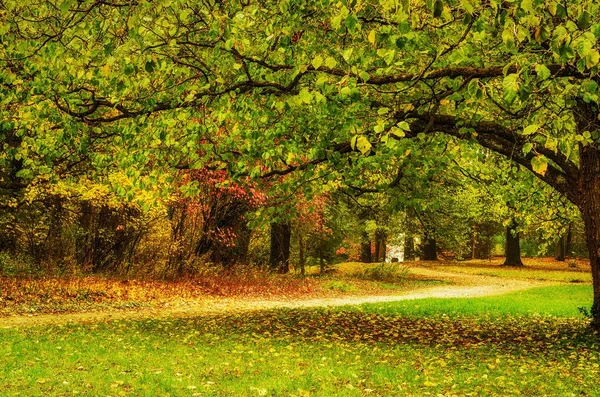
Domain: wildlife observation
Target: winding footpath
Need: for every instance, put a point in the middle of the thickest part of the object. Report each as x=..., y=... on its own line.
x=465, y=286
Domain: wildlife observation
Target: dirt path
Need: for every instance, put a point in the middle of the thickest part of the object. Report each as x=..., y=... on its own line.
x=465, y=286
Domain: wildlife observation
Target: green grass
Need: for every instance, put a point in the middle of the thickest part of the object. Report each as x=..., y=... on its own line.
x=339, y=285
x=525, y=273
x=560, y=301
x=314, y=352
x=486, y=346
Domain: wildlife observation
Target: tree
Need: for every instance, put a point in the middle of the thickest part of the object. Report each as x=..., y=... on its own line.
x=279, y=259
x=310, y=83
x=513, y=248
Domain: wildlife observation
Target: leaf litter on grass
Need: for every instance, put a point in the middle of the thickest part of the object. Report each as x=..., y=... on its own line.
x=322, y=351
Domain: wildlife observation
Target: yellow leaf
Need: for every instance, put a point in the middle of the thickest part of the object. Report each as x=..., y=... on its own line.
x=106, y=70
x=372, y=36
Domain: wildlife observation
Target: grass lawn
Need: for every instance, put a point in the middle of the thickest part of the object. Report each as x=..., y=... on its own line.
x=534, y=269
x=528, y=274
x=508, y=345
x=558, y=301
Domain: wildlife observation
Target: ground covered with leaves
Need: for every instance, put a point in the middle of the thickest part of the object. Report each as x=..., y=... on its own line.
x=305, y=353
x=39, y=295
x=531, y=342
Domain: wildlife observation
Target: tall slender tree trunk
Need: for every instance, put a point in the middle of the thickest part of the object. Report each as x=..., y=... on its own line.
x=560, y=249
x=365, y=252
x=279, y=260
x=301, y=254
x=429, y=248
x=513, y=246
x=365, y=248
x=383, y=249
x=321, y=257
x=380, y=237
x=569, y=241
x=409, y=248
x=474, y=241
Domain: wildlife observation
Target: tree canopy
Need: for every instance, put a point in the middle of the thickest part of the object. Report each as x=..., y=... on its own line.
x=124, y=92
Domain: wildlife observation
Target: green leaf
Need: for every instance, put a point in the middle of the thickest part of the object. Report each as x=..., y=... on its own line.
x=149, y=66
x=65, y=5
x=542, y=71
x=539, y=164
x=353, y=142
x=527, y=147
x=508, y=37
x=530, y=129
x=404, y=126
x=330, y=62
x=468, y=6
x=592, y=58
x=397, y=132
x=317, y=62
x=510, y=85
x=585, y=20
x=372, y=36
x=347, y=53
x=363, y=144
x=351, y=22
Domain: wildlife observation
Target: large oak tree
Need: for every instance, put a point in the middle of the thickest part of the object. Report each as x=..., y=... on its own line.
x=269, y=88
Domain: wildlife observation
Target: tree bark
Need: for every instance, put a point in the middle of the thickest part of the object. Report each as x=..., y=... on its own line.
x=301, y=254
x=409, y=248
x=589, y=206
x=569, y=241
x=383, y=249
x=474, y=241
x=321, y=258
x=429, y=248
x=588, y=195
x=279, y=260
x=560, y=249
x=513, y=246
x=365, y=252
x=380, y=247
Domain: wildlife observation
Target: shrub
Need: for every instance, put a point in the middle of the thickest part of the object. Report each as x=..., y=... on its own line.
x=389, y=272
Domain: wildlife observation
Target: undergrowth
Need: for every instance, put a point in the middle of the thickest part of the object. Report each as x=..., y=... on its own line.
x=388, y=272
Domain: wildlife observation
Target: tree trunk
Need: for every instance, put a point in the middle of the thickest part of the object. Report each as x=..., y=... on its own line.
x=382, y=249
x=321, y=258
x=513, y=246
x=365, y=252
x=429, y=248
x=279, y=260
x=380, y=237
x=569, y=241
x=409, y=248
x=302, y=254
x=474, y=241
x=560, y=249
x=589, y=205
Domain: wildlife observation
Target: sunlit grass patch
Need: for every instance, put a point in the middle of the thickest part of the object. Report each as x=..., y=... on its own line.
x=559, y=301
x=524, y=273
x=304, y=352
